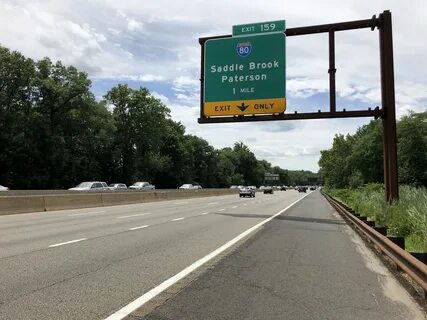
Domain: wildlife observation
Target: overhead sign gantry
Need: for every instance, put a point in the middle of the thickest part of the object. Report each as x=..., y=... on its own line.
x=240, y=80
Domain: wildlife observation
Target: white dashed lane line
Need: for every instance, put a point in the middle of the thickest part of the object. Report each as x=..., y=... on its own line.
x=137, y=228
x=234, y=207
x=134, y=215
x=67, y=242
x=221, y=210
x=177, y=219
x=212, y=203
x=204, y=213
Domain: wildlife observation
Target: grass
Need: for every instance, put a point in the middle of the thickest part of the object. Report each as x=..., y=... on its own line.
x=407, y=217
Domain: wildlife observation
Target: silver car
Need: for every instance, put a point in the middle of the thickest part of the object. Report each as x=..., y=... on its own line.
x=247, y=192
x=117, y=186
x=2, y=188
x=142, y=186
x=91, y=186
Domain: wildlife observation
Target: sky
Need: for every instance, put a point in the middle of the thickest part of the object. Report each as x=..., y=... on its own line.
x=154, y=44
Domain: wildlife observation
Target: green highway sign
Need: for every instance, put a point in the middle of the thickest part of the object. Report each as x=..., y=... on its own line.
x=245, y=75
x=260, y=27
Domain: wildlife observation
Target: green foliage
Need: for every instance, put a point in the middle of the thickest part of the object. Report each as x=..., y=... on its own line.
x=54, y=134
x=406, y=218
x=412, y=149
x=357, y=159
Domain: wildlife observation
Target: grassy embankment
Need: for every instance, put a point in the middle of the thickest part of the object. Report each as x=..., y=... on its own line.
x=406, y=218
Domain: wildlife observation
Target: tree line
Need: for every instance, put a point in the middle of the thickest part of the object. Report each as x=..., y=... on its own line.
x=357, y=159
x=55, y=134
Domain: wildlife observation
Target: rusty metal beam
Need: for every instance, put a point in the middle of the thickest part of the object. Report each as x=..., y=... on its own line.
x=322, y=28
x=375, y=113
x=389, y=107
x=332, y=70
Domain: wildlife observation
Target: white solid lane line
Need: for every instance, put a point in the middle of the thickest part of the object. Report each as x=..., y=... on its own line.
x=84, y=213
x=67, y=242
x=140, y=227
x=177, y=219
x=134, y=215
x=138, y=302
x=204, y=213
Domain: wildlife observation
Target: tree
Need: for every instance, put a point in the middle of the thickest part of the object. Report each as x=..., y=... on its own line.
x=334, y=163
x=140, y=120
x=412, y=149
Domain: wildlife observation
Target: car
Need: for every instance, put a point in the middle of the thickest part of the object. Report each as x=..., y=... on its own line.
x=117, y=186
x=190, y=186
x=261, y=187
x=247, y=192
x=268, y=190
x=233, y=187
x=283, y=188
x=252, y=187
x=2, y=188
x=142, y=186
x=312, y=188
x=302, y=189
x=91, y=186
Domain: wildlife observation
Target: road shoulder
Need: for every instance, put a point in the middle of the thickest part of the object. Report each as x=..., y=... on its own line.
x=305, y=264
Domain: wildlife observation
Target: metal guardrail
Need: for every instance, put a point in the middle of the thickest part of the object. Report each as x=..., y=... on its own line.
x=404, y=260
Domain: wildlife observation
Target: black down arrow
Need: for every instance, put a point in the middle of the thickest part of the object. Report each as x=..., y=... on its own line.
x=242, y=107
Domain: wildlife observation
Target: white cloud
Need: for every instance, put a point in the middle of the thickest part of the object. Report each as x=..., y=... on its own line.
x=157, y=42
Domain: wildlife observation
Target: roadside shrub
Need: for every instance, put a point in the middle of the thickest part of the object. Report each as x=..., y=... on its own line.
x=407, y=217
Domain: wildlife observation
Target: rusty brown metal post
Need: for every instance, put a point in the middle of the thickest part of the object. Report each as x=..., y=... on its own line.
x=332, y=71
x=389, y=108
x=202, y=67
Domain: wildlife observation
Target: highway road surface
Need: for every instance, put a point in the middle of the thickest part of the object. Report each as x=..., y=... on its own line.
x=107, y=263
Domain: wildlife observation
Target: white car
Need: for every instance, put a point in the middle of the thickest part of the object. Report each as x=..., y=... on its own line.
x=91, y=186
x=189, y=186
x=247, y=192
x=117, y=186
x=2, y=188
x=142, y=186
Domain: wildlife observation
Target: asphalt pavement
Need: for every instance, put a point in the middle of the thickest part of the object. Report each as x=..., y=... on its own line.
x=88, y=263
x=103, y=263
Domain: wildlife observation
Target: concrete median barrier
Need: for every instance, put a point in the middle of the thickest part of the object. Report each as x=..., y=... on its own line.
x=71, y=201
x=21, y=204
x=51, y=202
x=111, y=199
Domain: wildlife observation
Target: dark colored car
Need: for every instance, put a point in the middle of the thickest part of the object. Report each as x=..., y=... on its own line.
x=268, y=190
x=312, y=188
x=282, y=188
x=302, y=189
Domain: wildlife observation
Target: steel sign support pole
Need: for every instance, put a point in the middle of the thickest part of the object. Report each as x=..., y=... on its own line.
x=332, y=71
x=202, y=74
x=389, y=108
